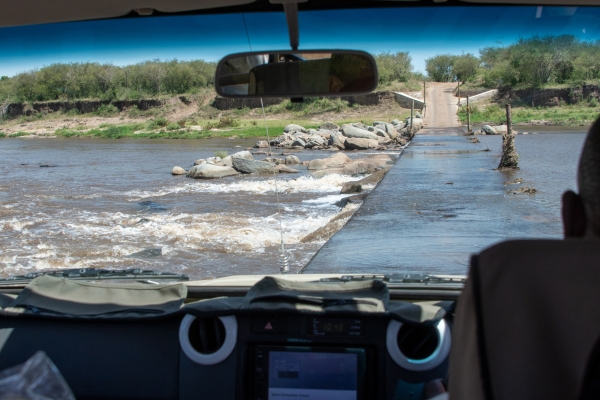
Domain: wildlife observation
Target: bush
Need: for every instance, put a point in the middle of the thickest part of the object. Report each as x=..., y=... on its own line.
x=221, y=154
x=593, y=102
x=173, y=127
x=106, y=110
x=2, y=134
x=157, y=123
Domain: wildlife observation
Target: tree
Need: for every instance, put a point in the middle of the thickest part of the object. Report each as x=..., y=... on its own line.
x=465, y=67
x=393, y=67
x=439, y=67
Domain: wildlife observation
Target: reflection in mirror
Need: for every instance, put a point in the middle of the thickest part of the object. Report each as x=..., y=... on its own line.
x=296, y=74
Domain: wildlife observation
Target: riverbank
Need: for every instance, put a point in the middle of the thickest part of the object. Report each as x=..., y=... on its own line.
x=197, y=118
x=581, y=114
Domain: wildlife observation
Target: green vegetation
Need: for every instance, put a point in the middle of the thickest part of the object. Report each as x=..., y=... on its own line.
x=18, y=134
x=567, y=115
x=221, y=154
x=531, y=62
x=108, y=82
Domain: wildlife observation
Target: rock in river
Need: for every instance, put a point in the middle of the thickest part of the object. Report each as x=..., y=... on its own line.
x=354, y=132
x=329, y=125
x=252, y=166
x=261, y=144
x=285, y=169
x=351, y=187
x=208, y=171
x=178, y=171
x=489, y=130
x=290, y=160
x=294, y=128
x=361, y=144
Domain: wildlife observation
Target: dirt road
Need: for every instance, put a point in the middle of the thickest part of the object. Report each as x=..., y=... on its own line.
x=440, y=116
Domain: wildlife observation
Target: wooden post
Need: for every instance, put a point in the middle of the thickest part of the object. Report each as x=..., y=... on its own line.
x=412, y=111
x=424, y=92
x=459, y=93
x=508, y=119
x=468, y=117
x=510, y=158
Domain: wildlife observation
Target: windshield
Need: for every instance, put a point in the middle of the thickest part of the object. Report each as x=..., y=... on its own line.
x=117, y=153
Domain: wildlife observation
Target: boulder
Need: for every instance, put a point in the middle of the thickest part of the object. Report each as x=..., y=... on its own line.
x=375, y=123
x=290, y=160
x=337, y=141
x=252, y=166
x=274, y=160
x=209, y=171
x=324, y=172
x=395, y=122
x=351, y=187
x=383, y=141
x=178, y=171
x=381, y=133
x=226, y=162
x=261, y=144
x=357, y=198
x=200, y=161
x=418, y=114
x=489, y=130
x=299, y=142
x=285, y=169
x=361, y=144
x=391, y=131
x=329, y=125
x=354, y=132
x=243, y=154
x=335, y=161
x=294, y=128
x=360, y=167
x=213, y=160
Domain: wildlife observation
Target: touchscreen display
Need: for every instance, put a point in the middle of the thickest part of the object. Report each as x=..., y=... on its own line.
x=313, y=375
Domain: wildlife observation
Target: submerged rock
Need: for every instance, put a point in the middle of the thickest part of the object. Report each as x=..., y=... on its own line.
x=357, y=198
x=261, y=144
x=147, y=253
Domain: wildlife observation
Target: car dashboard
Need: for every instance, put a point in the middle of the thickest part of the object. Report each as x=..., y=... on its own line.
x=271, y=352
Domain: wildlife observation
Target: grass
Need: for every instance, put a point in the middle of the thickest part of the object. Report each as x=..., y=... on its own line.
x=221, y=154
x=18, y=134
x=567, y=115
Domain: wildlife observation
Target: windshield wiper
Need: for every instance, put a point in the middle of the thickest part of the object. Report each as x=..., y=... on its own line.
x=96, y=274
x=400, y=278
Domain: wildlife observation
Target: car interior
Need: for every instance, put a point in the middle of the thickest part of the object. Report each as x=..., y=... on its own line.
x=491, y=334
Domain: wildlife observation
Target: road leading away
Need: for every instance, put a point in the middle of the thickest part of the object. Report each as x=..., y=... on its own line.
x=440, y=116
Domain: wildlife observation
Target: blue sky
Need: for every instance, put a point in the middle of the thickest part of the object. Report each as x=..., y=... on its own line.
x=421, y=31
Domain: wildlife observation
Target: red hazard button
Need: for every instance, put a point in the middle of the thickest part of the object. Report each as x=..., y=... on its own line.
x=268, y=325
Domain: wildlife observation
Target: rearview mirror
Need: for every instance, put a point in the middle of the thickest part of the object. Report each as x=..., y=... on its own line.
x=289, y=73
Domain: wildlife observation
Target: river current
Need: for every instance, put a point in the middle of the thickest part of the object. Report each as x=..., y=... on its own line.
x=77, y=203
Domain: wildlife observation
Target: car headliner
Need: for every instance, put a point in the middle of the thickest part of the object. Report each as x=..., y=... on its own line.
x=29, y=12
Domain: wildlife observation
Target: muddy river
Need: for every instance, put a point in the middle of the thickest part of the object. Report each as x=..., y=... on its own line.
x=94, y=203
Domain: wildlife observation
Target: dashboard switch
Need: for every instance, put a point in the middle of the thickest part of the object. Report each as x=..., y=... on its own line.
x=269, y=325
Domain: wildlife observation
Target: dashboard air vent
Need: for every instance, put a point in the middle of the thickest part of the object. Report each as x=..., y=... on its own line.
x=207, y=335
x=418, y=347
x=417, y=342
x=208, y=341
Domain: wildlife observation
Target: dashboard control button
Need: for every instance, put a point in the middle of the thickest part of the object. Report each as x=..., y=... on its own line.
x=269, y=325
